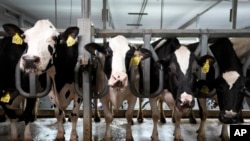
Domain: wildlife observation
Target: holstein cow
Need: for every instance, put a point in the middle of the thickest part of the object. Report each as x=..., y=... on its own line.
x=180, y=68
x=118, y=55
x=58, y=60
x=11, y=49
x=230, y=86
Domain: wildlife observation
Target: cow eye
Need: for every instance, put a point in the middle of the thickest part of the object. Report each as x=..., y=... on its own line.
x=50, y=26
x=54, y=38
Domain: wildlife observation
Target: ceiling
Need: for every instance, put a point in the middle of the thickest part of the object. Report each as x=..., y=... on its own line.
x=159, y=14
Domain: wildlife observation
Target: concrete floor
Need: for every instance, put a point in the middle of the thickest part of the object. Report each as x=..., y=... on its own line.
x=44, y=129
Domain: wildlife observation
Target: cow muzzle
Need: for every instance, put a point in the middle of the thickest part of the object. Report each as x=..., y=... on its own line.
x=29, y=63
x=185, y=102
x=229, y=117
x=118, y=81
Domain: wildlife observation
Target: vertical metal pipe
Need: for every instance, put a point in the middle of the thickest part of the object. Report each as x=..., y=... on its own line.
x=234, y=13
x=146, y=67
x=204, y=50
x=56, y=13
x=104, y=17
x=85, y=35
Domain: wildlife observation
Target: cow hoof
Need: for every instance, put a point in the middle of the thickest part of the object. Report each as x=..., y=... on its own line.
x=201, y=138
x=97, y=119
x=154, y=138
x=60, y=139
x=130, y=139
x=175, y=139
x=163, y=120
x=140, y=120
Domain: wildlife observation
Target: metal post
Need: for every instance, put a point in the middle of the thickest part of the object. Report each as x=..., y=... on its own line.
x=204, y=49
x=234, y=13
x=146, y=67
x=84, y=57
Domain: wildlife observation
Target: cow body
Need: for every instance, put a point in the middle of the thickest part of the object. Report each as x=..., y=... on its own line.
x=11, y=49
x=116, y=70
x=58, y=60
x=229, y=85
x=179, y=68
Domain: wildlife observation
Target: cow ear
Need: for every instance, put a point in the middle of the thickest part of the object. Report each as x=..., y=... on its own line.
x=12, y=29
x=72, y=31
x=145, y=53
x=94, y=49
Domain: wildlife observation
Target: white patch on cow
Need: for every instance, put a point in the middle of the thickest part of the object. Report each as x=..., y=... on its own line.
x=230, y=77
x=160, y=44
x=230, y=113
x=38, y=38
x=186, y=97
x=119, y=46
x=183, y=54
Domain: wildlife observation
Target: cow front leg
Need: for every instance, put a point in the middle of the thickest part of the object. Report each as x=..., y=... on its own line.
x=162, y=113
x=129, y=116
x=13, y=130
x=224, y=132
x=203, y=116
x=140, y=112
x=177, y=130
x=155, y=117
x=60, y=129
x=74, y=118
x=108, y=118
x=96, y=112
x=27, y=132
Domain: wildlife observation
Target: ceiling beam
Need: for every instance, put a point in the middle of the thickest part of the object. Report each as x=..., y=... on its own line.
x=192, y=20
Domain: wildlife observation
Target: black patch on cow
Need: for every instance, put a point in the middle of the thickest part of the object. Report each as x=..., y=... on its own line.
x=73, y=114
x=79, y=100
x=67, y=94
x=51, y=50
x=54, y=105
x=60, y=112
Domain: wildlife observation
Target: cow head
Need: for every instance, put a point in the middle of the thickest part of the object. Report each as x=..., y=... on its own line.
x=41, y=40
x=180, y=72
x=118, y=58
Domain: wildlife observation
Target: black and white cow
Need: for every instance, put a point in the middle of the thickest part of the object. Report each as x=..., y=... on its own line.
x=117, y=61
x=57, y=57
x=230, y=86
x=180, y=69
x=11, y=49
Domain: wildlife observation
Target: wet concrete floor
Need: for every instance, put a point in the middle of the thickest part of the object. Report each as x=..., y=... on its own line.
x=44, y=129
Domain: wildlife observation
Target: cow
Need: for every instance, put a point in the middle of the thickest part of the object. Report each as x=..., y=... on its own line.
x=180, y=74
x=56, y=55
x=12, y=47
x=117, y=61
x=230, y=85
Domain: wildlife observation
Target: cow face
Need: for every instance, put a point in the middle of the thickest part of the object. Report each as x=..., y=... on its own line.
x=118, y=57
x=181, y=67
x=229, y=88
x=41, y=39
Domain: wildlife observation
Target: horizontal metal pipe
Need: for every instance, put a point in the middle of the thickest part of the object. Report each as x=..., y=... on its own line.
x=101, y=33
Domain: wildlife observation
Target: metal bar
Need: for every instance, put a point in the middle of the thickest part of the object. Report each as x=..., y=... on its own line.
x=146, y=67
x=204, y=50
x=172, y=32
x=234, y=13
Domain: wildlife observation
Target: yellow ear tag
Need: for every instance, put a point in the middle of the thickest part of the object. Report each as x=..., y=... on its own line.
x=205, y=67
x=70, y=41
x=204, y=90
x=135, y=60
x=5, y=98
x=16, y=39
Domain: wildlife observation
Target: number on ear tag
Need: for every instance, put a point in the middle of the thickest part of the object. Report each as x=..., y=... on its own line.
x=16, y=39
x=70, y=41
x=206, y=66
x=135, y=60
x=5, y=98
